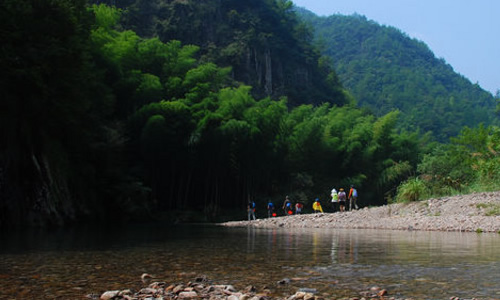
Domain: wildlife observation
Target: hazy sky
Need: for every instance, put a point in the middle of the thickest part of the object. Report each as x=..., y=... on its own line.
x=466, y=33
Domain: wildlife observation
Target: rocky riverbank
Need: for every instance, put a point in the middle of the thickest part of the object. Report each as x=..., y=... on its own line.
x=201, y=289
x=478, y=212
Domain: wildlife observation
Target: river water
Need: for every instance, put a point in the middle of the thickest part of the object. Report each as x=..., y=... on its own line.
x=72, y=263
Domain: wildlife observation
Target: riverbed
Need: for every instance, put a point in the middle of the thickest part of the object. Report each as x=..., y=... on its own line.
x=71, y=264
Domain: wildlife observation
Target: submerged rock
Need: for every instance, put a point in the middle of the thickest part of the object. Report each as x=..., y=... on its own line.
x=308, y=290
x=284, y=281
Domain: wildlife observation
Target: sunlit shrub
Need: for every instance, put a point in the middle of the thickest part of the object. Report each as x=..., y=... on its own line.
x=413, y=189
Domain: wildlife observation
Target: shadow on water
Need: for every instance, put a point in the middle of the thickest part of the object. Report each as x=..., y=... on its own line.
x=424, y=265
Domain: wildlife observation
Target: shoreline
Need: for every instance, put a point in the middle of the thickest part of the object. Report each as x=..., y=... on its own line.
x=477, y=212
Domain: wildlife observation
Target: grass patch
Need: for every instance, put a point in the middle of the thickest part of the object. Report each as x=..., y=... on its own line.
x=413, y=189
x=491, y=210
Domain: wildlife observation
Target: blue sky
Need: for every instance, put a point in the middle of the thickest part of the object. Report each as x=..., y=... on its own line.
x=466, y=33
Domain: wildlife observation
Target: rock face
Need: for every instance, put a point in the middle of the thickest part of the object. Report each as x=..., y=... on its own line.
x=478, y=212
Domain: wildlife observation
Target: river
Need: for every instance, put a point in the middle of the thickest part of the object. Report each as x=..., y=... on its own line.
x=72, y=263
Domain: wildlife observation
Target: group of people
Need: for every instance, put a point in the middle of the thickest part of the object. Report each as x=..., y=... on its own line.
x=287, y=207
x=340, y=199
x=340, y=202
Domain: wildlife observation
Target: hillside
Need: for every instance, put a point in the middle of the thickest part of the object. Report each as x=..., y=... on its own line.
x=386, y=70
x=263, y=41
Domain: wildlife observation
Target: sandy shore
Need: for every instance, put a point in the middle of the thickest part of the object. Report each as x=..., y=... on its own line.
x=478, y=212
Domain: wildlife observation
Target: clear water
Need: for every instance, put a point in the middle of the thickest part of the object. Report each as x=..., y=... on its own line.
x=69, y=264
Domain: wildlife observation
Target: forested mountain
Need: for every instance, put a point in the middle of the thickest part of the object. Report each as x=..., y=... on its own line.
x=263, y=41
x=386, y=70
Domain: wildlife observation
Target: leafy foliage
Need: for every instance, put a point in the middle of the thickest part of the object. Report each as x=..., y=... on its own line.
x=469, y=163
x=263, y=41
x=386, y=70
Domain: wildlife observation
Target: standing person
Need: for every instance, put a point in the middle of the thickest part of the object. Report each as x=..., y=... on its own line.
x=335, y=199
x=251, y=210
x=270, y=209
x=287, y=206
x=342, y=199
x=353, y=197
x=298, y=208
x=317, y=206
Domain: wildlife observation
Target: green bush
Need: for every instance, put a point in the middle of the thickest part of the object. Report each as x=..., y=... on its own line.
x=413, y=189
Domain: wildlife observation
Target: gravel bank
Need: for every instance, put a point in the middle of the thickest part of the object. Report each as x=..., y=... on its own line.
x=474, y=212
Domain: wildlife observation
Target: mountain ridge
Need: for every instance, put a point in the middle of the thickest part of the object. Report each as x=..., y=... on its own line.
x=385, y=69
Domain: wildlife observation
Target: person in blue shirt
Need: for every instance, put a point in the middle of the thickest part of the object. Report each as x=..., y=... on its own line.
x=287, y=206
x=270, y=210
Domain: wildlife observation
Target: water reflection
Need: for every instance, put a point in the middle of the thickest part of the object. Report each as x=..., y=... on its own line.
x=344, y=249
x=424, y=265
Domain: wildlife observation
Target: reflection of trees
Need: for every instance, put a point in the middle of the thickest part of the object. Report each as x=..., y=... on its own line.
x=315, y=244
x=344, y=249
x=250, y=240
x=334, y=249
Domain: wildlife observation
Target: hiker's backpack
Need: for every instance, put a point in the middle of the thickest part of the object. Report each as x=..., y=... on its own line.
x=354, y=193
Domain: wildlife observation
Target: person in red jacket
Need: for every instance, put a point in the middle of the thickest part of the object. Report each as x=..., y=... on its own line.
x=298, y=208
